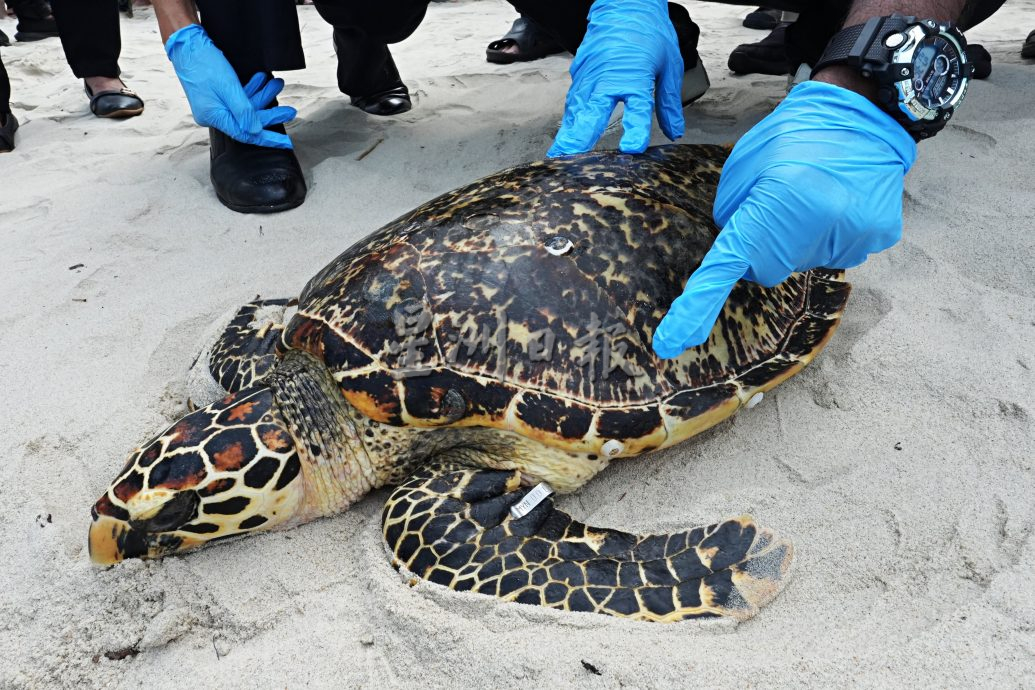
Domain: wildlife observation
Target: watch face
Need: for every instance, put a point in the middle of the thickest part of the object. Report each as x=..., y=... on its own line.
x=937, y=72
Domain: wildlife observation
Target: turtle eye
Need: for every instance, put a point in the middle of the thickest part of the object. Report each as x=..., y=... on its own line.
x=177, y=512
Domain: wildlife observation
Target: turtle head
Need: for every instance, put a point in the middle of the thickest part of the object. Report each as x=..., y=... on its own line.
x=226, y=469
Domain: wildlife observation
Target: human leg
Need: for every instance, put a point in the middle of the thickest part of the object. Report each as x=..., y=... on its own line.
x=255, y=36
x=8, y=123
x=35, y=20
x=362, y=32
x=89, y=31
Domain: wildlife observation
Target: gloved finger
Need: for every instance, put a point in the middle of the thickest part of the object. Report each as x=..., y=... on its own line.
x=265, y=96
x=272, y=140
x=254, y=84
x=240, y=112
x=639, y=112
x=692, y=315
x=585, y=126
x=670, y=98
x=277, y=116
x=767, y=230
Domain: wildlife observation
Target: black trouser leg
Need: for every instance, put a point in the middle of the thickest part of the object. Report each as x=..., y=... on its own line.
x=567, y=21
x=385, y=21
x=362, y=32
x=89, y=31
x=5, y=90
x=254, y=35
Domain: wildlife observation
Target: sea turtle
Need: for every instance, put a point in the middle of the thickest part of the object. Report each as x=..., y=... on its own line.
x=495, y=338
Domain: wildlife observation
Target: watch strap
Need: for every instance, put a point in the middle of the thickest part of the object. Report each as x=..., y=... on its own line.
x=861, y=44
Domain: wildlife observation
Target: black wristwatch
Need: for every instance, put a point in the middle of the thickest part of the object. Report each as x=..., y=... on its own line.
x=920, y=67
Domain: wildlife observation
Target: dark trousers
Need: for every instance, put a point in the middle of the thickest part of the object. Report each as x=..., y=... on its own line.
x=263, y=35
x=89, y=31
x=5, y=90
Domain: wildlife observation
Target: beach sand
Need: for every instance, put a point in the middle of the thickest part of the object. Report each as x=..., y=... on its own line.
x=902, y=463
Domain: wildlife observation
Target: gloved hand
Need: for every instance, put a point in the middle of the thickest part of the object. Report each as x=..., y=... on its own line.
x=216, y=96
x=816, y=183
x=630, y=45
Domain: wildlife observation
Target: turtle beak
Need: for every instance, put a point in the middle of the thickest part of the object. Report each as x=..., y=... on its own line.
x=113, y=540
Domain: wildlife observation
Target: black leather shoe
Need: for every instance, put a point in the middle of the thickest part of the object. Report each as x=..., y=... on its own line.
x=114, y=104
x=763, y=19
x=391, y=102
x=8, y=126
x=1028, y=49
x=979, y=56
x=255, y=179
x=367, y=73
x=768, y=56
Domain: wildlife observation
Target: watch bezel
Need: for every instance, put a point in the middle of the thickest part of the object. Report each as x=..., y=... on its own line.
x=902, y=63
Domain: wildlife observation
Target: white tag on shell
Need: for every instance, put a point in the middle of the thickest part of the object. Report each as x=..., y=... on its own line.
x=533, y=498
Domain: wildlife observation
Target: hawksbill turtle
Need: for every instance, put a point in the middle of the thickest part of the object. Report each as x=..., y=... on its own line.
x=493, y=340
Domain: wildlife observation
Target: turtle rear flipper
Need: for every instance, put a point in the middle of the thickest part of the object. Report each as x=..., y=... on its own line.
x=452, y=526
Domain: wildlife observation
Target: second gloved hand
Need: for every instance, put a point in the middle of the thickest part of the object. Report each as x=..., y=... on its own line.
x=216, y=96
x=818, y=182
x=629, y=51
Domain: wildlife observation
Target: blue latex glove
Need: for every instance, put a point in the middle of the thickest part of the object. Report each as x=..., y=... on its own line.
x=216, y=96
x=818, y=182
x=630, y=45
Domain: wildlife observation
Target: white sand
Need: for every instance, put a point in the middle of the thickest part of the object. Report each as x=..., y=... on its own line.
x=901, y=463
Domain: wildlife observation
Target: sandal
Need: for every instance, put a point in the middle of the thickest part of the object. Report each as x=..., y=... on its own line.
x=121, y=103
x=8, y=126
x=532, y=41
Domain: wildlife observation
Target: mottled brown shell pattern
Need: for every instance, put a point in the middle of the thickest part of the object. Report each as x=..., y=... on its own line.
x=526, y=301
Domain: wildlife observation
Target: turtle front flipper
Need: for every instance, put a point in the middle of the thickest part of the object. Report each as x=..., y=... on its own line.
x=452, y=525
x=246, y=350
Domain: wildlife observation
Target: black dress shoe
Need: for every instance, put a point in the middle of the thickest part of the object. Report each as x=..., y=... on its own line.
x=762, y=18
x=979, y=56
x=4, y=40
x=391, y=102
x=255, y=179
x=1028, y=49
x=367, y=73
x=768, y=56
x=8, y=126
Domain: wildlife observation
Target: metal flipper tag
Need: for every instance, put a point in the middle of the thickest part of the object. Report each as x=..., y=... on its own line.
x=533, y=498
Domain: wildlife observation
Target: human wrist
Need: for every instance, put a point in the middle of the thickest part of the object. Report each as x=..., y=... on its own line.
x=848, y=78
x=173, y=15
x=182, y=37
